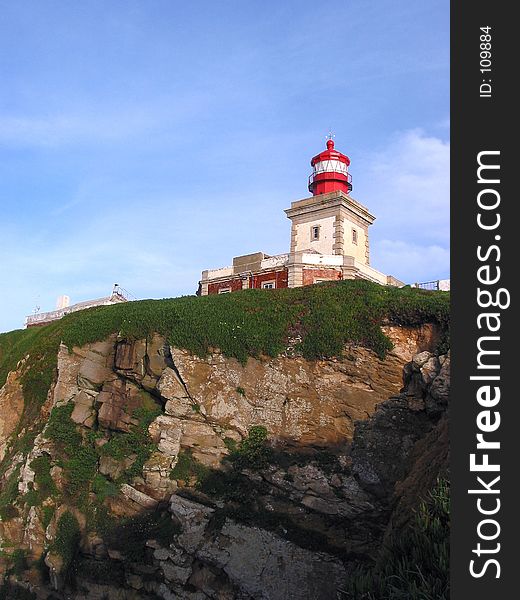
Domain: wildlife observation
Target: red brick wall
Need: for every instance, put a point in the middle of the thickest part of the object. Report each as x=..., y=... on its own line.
x=310, y=274
x=280, y=277
x=234, y=284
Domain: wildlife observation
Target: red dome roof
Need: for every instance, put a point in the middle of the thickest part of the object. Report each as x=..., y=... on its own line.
x=330, y=154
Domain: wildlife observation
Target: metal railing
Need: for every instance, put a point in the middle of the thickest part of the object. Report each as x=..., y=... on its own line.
x=437, y=285
x=313, y=175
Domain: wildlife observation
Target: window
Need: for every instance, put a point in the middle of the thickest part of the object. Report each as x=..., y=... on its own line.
x=354, y=236
x=268, y=285
x=315, y=233
x=224, y=290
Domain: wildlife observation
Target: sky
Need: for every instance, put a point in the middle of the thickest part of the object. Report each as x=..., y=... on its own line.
x=143, y=141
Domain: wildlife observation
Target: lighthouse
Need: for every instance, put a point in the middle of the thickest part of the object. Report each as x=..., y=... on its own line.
x=330, y=222
x=329, y=238
x=330, y=172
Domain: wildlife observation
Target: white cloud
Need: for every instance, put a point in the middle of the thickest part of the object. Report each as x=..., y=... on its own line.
x=407, y=187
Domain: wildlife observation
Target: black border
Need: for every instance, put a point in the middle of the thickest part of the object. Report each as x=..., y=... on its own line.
x=480, y=124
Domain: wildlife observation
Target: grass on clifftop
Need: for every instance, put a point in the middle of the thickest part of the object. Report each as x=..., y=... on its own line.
x=321, y=318
x=245, y=323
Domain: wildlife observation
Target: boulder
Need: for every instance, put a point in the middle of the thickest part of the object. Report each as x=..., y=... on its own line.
x=118, y=400
x=138, y=497
x=84, y=412
x=263, y=565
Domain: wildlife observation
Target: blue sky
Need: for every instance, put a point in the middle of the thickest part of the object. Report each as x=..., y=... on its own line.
x=144, y=141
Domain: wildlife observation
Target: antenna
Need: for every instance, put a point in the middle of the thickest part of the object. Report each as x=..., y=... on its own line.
x=331, y=135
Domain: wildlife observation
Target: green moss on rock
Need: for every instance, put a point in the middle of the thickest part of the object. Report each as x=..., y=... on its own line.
x=67, y=539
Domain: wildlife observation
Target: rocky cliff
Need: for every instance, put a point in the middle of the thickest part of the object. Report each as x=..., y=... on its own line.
x=148, y=471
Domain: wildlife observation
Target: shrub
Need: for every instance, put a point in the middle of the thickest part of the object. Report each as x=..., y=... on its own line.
x=42, y=477
x=80, y=470
x=231, y=485
x=137, y=441
x=103, y=488
x=81, y=457
x=188, y=468
x=9, y=494
x=19, y=562
x=253, y=451
x=47, y=514
x=62, y=430
x=68, y=535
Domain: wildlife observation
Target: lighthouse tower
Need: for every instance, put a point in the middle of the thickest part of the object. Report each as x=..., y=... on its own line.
x=330, y=223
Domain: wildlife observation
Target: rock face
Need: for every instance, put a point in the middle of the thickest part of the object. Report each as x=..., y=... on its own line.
x=284, y=530
x=400, y=423
x=256, y=562
x=11, y=406
x=298, y=400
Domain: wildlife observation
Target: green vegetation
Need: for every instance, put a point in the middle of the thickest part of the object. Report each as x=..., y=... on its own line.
x=68, y=535
x=80, y=460
x=80, y=469
x=103, y=487
x=19, y=561
x=9, y=494
x=136, y=442
x=241, y=493
x=41, y=348
x=187, y=468
x=231, y=444
x=62, y=429
x=42, y=477
x=47, y=514
x=81, y=455
x=246, y=323
x=415, y=565
x=253, y=451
